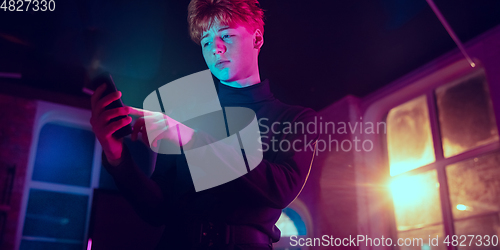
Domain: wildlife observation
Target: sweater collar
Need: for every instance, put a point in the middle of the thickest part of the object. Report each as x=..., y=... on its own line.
x=251, y=94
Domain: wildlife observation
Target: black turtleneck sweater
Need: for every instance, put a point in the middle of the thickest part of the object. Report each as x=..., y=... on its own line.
x=256, y=199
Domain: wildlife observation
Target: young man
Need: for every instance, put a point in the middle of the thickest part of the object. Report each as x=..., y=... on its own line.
x=242, y=213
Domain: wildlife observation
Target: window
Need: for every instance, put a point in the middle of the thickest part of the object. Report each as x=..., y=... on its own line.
x=296, y=221
x=442, y=150
x=465, y=115
x=62, y=173
x=475, y=194
x=409, y=137
x=290, y=223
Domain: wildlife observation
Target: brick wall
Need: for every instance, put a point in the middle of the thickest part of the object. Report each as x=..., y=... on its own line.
x=16, y=127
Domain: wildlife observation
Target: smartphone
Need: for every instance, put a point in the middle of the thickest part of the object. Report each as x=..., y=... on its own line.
x=110, y=88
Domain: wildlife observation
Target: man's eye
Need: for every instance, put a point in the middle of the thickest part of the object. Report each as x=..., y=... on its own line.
x=225, y=36
x=206, y=44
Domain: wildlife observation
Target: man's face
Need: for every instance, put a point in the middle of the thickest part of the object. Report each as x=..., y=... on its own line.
x=230, y=52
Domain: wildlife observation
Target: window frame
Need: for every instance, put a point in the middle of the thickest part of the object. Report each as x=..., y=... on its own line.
x=48, y=112
x=441, y=162
x=376, y=109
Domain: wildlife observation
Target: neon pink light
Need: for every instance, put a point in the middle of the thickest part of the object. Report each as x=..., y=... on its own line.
x=89, y=244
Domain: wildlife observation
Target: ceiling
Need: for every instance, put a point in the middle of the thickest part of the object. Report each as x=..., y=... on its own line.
x=315, y=52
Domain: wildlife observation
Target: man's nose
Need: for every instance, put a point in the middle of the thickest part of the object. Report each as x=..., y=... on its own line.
x=219, y=47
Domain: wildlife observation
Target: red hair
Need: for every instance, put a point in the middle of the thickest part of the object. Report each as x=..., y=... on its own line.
x=203, y=13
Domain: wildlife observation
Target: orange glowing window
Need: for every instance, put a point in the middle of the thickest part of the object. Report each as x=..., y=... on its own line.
x=417, y=205
x=461, y=184
x=466, y=114
x=409, y=137
x=411, y=194
x=474, y=186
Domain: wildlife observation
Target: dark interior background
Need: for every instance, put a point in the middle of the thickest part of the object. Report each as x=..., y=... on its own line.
x=315, y=52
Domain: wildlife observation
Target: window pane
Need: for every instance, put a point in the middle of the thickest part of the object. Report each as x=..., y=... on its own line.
x=485, y=226
x=409, y=138
x=64, y=155
x=416, y=200
x=290, y=223
x=466, y=115
x=286, y=226
x=55, y=215
x=418, y=239
x=474, y=186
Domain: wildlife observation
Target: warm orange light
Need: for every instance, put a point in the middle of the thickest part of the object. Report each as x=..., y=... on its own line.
x=406, y=191
x=451, y=149
x=409, y=137
x=410, y=191
x=412, y=163
x=416, y=200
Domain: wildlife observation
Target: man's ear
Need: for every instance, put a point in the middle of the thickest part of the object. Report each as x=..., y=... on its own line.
x=258, y=39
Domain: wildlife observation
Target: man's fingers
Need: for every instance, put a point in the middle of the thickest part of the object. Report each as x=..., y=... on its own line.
x=97, y=95
x=114, y=126
x=151, y=116
x=139, y=127
x=105, y=101
x=142, y=112
x=155, y=125
x=112, y=113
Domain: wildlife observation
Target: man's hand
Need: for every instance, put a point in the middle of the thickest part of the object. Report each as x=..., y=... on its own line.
x=155, y=126
x=100, y=118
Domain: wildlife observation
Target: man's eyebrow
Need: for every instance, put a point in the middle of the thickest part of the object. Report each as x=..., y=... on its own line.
x=221, y=29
